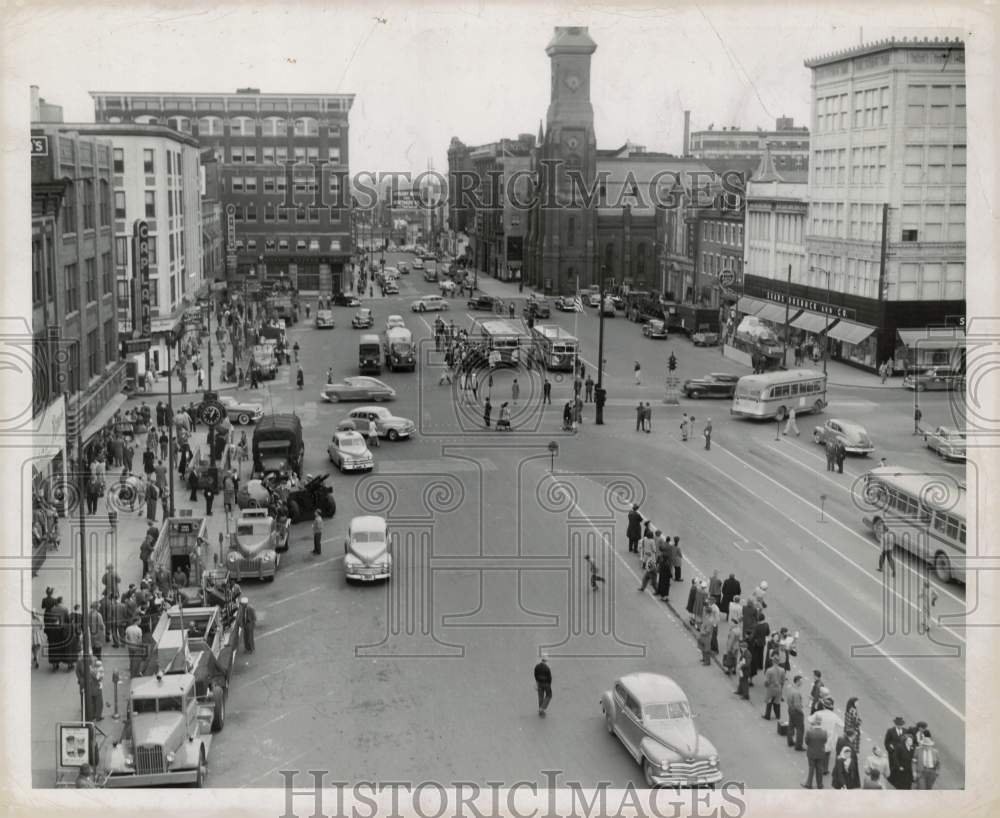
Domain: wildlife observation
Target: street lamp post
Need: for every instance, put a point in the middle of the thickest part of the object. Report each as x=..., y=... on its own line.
x=600, y=397
x=826, y=314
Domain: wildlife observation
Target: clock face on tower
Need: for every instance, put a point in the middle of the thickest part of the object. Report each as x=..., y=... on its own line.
x=572, y=143
x=572, y=82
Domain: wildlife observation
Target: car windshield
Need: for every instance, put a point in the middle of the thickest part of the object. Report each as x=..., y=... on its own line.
x=352, y=444
x=273, y=445
x=667, y=710
x=164, y=704
x=368, y=536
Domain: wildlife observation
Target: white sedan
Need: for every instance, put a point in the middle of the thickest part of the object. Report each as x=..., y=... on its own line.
x=429, y=302
x=349, y=452
x=947, y=441
x=394, y=321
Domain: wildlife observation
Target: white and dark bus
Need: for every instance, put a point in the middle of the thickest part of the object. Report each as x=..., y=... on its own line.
x=773, y=394
x=554, y=347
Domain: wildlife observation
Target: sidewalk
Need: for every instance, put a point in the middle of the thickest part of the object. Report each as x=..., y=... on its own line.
x=159, y=386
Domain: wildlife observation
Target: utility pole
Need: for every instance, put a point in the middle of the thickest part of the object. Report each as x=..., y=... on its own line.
x=788, y=295
x=600, y=396
x=88, y=656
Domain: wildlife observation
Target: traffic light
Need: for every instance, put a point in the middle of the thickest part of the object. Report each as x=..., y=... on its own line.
x=672, y=362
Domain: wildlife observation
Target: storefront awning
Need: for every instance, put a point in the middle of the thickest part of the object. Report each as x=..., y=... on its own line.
x=932, y=338
x=750, y=306
x=850, y=332
x=776, y=313
x=813, y=321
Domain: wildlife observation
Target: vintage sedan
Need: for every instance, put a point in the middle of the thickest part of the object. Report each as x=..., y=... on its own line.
x=339, y=299
x=390, y=287
x=654, y=328
x=851, y=434
x=241, y=412
x=947, y=441
x=386, y=423
x=935, y=378
x=593, y=299
x=713, y=385
x=484, y=302
x=650, y=715
x=358, y=387
x=536, y=308
x=394, y=321
x=566, y=303
x=363, y=319
x=366, y=550
x=349, y=452
x=430, y=302
x=324, y=319
x=404, y=268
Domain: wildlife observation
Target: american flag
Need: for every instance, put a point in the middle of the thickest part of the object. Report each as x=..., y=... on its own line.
x=578, y=304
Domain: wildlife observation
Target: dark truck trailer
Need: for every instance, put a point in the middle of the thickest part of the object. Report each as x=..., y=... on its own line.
x=690, y=318
x=277, y=445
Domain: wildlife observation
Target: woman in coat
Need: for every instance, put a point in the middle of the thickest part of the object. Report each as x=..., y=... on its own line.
x=901, y=774
x=852, y=721
x=663, y=567
x=845, y=771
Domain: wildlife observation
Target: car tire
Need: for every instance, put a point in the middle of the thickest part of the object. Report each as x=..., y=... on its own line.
x=647, y=774
x=694, y=394
x=202, y=773
x=921, y=387
x=219, y=713
x=817, y=438
x=609, y=724
x=392, y=434
x=333, y=397
x=251, y=503
x=243, y=419
x=818, y=406
x=423, y=308
x=942, y=567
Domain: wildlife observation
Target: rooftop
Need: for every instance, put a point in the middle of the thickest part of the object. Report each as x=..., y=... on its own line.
x=942, y=43
x=119, y=129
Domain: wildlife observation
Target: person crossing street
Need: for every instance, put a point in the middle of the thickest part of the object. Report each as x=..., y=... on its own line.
x=543, y=683
x=595, y=577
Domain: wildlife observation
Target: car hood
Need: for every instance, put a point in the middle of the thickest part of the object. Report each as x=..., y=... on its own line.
x=158, y=729
x=251, y=545
x=677, y=734
x=367, y=552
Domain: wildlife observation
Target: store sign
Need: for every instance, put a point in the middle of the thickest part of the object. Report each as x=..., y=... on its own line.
x=140, y=271
x=40, y=145
x=809, y=304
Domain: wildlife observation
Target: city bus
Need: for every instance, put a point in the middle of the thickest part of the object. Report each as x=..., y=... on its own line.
x=505, y=339
x=921, y=513
x=772, y=394
x=555, y=348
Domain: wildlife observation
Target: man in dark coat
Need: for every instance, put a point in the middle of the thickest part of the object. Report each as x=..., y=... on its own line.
x=893, y=740
x=634, y=530
x=840, y=456
x=759, y=642
x=248, y=620
x=750, y=614
x=543, y=682
x=831, y=454
x=815, y=753
x=730, y=588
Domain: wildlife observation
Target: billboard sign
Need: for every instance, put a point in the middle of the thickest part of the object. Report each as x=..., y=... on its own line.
x=140, y=269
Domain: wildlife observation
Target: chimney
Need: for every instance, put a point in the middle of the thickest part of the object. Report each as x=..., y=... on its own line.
x=36, y=110
x=687, y=134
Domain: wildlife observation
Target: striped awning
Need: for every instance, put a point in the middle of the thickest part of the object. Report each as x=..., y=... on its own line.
x=812, y=321
x=777, y=312
x=750, y=306
x=850, y=332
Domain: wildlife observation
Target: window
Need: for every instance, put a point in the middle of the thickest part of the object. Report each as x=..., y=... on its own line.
x=306, y=126
x=909, y=235
x=251, y=212
x=90, y=279
x=170, y=163
x=251, y=244
x=282, y=214
x=250, y=184
x=92, y=350
x=209, y=125
x=121, y=250
x=150, y=199
x=269, y=184
x=236, y=154
x=571, y=231
x=148, y=165
x=72, y=286
x=180, y=123
x=274, y=126
x=109, y=341
x=37, y=279
x=282, y=244
x=282, y=183
x=105, y=203
x=250, y=156
x=334, y=156
x=88, y=204
x=267, y=156
x=107, y=273
x=241, y=126
x=69, y=210
x=300, y=155
x=236, y=184
x=170, y=202
x=314, y=215
x=173, y=249
x=312, y=156
x=281, y=155
x=300, y=244
x=118, y=163
x=916, y=100
x=269, y=244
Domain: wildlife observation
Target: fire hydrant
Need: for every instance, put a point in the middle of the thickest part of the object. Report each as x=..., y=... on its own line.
x=115, y=680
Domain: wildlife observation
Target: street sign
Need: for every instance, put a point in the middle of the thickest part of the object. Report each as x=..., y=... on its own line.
x=134, y=346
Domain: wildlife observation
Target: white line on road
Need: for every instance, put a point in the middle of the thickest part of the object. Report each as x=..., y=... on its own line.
x=313, y=565
x=288, y=625
x=705, y=508
x=293, y=596
x=424, y=320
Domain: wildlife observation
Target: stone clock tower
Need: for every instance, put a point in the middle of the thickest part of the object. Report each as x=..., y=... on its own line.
x=568, y=230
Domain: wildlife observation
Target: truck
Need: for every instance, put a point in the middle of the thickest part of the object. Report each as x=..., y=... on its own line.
x=255, y=545
x=370, y=354
x=690, y=318
x=754, y=336
x=283, y=307
x=277, y=445
x=397, y=346
x=183, y=543
x=265, y=358
x=554, y=347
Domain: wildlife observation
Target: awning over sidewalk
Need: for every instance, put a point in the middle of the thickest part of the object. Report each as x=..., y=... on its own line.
x=750, y=306
x=932, y=338
x=813, y=321
x=103, y=416
x=849, y=332
x=776, y=313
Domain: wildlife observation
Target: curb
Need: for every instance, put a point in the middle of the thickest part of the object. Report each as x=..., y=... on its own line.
x=139, y=394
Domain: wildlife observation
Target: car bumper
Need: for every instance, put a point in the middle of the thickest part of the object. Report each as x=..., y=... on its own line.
x=151, y=779
x=366, y=574
x=671, y=780
x=401, y=433
x=859, y=449
x=357, y=466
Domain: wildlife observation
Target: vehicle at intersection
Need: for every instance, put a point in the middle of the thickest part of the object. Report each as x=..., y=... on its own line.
x=277, y=445
x=772, y=394
x=429, y=302
x=655, y=328
x=418, y=264
x=255, y=545
x=358, y=388
x=394, y=321
x=536, y=308
x=946, y=441
x=651, y=716
x=349, y=452
x=852, y=435
x=554, y=347
x=387, y=424
x=340, y=299
x=593, y=299
x=370, y=354
x=713, y=385
x=366, y=550
x=390, y=287
x=324, y=319
x=404, y=268
x=484, y=302
x=935, y=378
x=703, y=338
x=567, y=303
x=397, y=344
x=363, y=319
x=241, y=412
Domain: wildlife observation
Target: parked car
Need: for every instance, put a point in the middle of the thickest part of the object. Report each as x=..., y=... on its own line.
x=418, y=264
x=394, y=321
x=713, y=385
x=363, y=319
x=349, y=452
x=366, y=550
x=429, y=302
x=344, y=300
x=390, y=273
x=705, y=339
x=241, y=412
x=404, y=268
x=391, y=287
x=618, y=301
x=853, y=435
x=566, y=303
x=654, y=328
x=358, y=387
x=387, y=424
x=935, y=377
x=651, y=716
x=947, y=441
x=483, y=302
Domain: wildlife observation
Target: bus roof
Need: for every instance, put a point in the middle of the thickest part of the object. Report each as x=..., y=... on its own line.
x=938, y=491
x=781, y=376
x=554, y=332
x=503, y=326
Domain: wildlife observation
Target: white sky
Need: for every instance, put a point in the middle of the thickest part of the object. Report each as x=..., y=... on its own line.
x=437, y=70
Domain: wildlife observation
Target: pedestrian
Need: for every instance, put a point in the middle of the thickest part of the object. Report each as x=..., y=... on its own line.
x=926, y=600
x=648, y=563
x=708, y=434
x=487, y=412
x=637, y=370
x=543, y=683
x=774, y=681
x=852, y=725
x=926, y=763
x=152, y=495
x=373, y=433
x=515, y=391
x=248, y=621
x=640, y=413
x=845, y=771
x=743, y=665
x=647, y=417
x=164, y=442
x=790, y=424
x=885, y=555
x=796, y=713
x=37, y=636
x=318, y=532
x=633, y=531
x=715, y=588
x=705, y=641
x=295, y=350
x=209, y=493
x=589, y=389
x=831, y=454
x=594, y=576
x=503, y=419
x=300, y=378
x=815, y=753
x=678, y=558
x=758, y=642
x=547, y=391
x=664, y=567
x=192, y=483
x=841, y=455
x=98, y=630
x=816, y=693
x=901, y=773
x=329, y=374
x=730, y=590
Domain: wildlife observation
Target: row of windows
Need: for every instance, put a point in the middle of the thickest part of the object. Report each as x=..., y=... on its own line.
x=935, y=105
x=247, y=126
x=790, y=390
x=280, y=244
x=952, y=527
x=94, y=288
x=788, y=227
x=302, y=182
x=714, y=263
x=92, y=208
x=275, y=214
x=219, y=104
x=722, y=232
x=278, y=155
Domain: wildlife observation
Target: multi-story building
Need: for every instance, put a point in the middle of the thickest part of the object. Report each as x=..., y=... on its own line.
x=885, y=237
x=78, y=374
x=284, y=182
x=787, y=139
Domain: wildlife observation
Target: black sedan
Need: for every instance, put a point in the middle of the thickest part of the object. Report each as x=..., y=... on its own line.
x=536, y=308
x=483, y=302
x=714, y=385
x=344, y=300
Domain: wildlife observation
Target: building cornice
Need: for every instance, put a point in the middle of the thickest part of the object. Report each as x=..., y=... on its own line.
x=885, y=45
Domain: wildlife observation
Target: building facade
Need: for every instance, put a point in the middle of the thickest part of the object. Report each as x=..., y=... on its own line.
x=787, y=139
x=283, y=176
x=885, y=236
